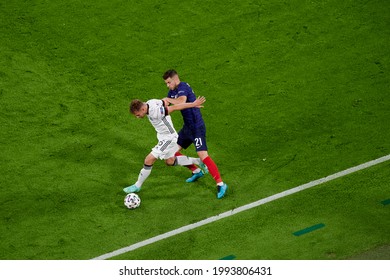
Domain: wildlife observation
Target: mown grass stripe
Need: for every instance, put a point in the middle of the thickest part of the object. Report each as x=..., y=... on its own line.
x=308, y=229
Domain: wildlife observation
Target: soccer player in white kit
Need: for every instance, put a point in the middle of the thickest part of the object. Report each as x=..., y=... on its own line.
x=158, y=115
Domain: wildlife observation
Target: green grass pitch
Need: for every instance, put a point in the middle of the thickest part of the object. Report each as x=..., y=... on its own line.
x=296, y=90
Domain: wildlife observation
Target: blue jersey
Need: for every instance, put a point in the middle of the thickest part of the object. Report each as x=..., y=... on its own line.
x=191, y=116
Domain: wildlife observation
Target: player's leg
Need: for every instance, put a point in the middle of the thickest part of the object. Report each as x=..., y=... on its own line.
x=143, y=174
x=171, y=158
x=213, y=169
x=186, y=161
x=191, y=167
x=201, y=149
x=191, y=163
x=184, y=141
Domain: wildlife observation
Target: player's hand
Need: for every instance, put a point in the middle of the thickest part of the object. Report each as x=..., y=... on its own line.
x=166, y=102
x=199, y=101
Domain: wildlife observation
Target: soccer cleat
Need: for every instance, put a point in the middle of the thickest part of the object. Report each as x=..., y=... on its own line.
x=132, y=189
x=221, y=190
x=195, y=176
x=204, y=168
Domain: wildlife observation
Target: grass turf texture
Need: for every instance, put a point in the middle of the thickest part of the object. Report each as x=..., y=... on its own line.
x=349, y=207
x=296, y=91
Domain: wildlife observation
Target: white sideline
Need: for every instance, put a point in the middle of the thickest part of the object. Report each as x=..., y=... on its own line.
x=242, y=208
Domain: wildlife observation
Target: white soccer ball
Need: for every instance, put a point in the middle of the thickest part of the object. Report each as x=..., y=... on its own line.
x=132, y=201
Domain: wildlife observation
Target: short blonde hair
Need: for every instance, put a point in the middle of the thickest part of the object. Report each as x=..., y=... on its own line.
x=135, y=106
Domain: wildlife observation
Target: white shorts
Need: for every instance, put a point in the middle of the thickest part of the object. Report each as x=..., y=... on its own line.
x=165, y=149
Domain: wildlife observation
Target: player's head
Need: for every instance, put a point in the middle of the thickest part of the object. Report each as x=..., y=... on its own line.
x=171, y=79
x=138, y=108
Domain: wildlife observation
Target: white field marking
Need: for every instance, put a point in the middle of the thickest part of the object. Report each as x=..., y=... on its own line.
x=242, y=208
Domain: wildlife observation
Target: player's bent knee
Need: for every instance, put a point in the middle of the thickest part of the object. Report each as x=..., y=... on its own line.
x=150, y=160
x=170, y=161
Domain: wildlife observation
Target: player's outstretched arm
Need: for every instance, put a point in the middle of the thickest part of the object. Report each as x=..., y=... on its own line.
x=174, y=101
x=197, y=103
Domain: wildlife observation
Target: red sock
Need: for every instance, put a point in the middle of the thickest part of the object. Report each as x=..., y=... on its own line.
x=213, y=169
x=191, y=167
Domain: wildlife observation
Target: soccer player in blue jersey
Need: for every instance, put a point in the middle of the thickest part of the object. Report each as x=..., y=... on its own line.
x=194, y=129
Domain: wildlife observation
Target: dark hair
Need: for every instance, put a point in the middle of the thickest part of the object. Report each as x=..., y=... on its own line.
x=135, y=105
x=169, y=74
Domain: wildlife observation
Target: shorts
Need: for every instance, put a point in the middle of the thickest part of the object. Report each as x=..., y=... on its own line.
x=165, y=149
x=196, y=136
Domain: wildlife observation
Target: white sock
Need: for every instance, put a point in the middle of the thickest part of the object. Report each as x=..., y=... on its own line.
x=184, y=160
x=143, y=175
x=196, y=170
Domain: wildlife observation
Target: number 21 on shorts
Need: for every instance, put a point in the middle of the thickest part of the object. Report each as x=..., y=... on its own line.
x=198, y=142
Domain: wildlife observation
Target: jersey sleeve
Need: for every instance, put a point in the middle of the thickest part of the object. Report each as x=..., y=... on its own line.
x=164, y=110
x=157, y=110
x=184, y=91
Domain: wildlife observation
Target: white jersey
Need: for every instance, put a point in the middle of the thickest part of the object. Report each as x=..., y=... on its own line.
x=162, y=122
